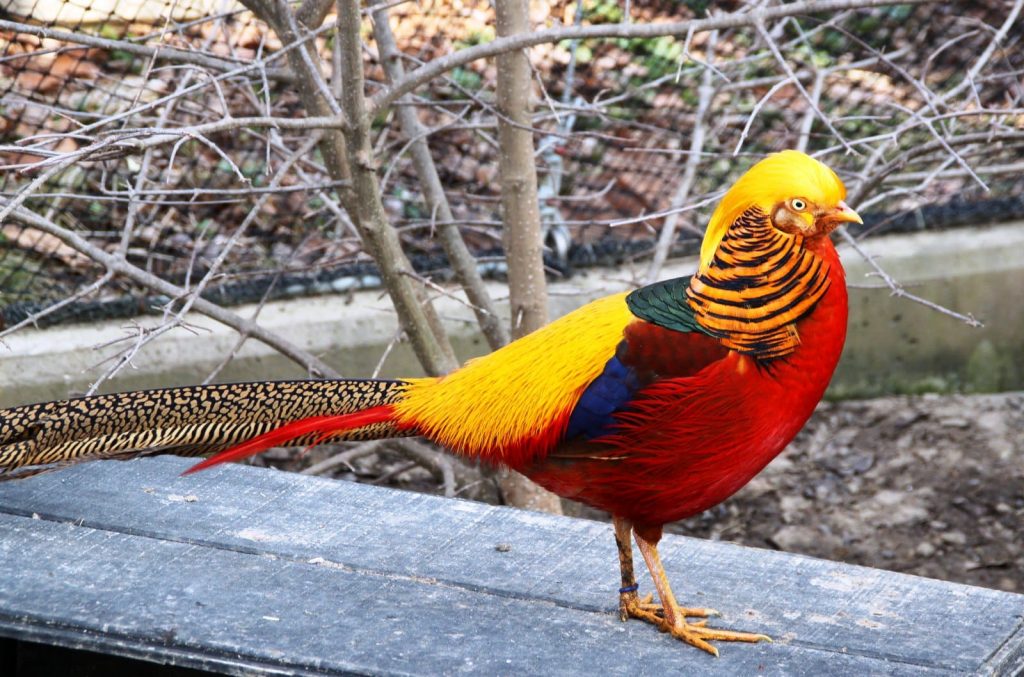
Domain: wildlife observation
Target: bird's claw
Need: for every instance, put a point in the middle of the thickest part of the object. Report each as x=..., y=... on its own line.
x=628, y=604
x=699, y=635
x=696, y=633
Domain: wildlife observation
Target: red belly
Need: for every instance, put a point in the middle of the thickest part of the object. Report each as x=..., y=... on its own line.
x=686, y=444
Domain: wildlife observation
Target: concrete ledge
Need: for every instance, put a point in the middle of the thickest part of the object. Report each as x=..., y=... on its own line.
x=248, y=571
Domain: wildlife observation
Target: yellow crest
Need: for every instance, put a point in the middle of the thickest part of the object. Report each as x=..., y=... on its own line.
x=778, y=177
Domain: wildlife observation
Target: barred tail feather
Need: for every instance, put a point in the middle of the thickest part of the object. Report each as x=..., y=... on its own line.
x=366, y=424
x=188, y=421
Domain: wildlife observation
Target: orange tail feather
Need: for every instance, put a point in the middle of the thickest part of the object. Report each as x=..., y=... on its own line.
x=323, y=426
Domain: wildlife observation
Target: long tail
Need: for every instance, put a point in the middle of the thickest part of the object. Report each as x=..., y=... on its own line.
x=193, y=421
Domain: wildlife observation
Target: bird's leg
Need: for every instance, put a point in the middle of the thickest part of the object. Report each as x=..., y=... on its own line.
x=630, y=602
x=673, y=617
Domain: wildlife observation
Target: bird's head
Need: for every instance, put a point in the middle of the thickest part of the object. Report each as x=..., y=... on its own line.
x=801, y=196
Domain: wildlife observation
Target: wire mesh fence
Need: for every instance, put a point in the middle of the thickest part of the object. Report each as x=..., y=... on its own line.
x=154, y=129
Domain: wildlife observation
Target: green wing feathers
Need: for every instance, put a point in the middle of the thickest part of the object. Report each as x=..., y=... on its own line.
x=188, y=421
x=665, y=304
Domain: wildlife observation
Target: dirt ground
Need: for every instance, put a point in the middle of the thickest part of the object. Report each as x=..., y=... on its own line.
x=928, y=485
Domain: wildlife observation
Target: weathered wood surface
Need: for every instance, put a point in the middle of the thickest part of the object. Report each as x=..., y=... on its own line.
x=243, y=571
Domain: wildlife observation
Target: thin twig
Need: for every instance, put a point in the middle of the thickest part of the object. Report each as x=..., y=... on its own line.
x=506, y=44
x=898, y=290
x=121, y=267
x=342, y=458
x=759, y=25
x=417, y=316
x=668, y=231
x=161, y=53
x=462, y=261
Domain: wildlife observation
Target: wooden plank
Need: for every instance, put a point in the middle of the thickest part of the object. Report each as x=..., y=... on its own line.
x=242, y=570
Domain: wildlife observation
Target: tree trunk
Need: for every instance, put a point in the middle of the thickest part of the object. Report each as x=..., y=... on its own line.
x=524, y=251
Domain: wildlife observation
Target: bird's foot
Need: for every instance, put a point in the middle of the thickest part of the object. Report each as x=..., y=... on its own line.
x=695, y=634
x=699, y=635
x=632, y=605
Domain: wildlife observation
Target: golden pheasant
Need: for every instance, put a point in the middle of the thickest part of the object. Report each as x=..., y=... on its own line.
x=653, y=405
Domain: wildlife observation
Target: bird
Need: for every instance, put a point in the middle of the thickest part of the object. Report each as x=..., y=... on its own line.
x=653, y=404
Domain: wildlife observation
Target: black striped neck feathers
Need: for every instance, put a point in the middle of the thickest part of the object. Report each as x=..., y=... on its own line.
x=759, y=284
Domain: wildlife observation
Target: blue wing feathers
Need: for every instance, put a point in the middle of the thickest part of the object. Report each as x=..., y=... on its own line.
x=608, y=393
x=663, y=305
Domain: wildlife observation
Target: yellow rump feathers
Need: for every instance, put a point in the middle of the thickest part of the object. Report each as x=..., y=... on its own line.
x=776, y=178
x=517, y=399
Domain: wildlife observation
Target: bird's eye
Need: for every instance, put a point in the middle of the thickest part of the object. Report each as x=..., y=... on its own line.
x=798, y=204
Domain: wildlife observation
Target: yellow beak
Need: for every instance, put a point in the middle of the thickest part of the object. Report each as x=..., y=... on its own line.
x=843, y=214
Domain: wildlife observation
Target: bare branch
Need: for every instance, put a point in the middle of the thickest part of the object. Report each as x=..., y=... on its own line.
x=899, y=290
x=972, y=75
x=313, y=12
x=863, y=186
x=506, y=44
x=518, y=175
x=521, y=216
x=759, y=25
x=417, y=316
x=119, y=266
x=807, y=123
x=668, y=231
x=459, y=257
x=448, y=469
x=49, y=310
x=178, y=318
x=162, y=53
x=343, y=458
